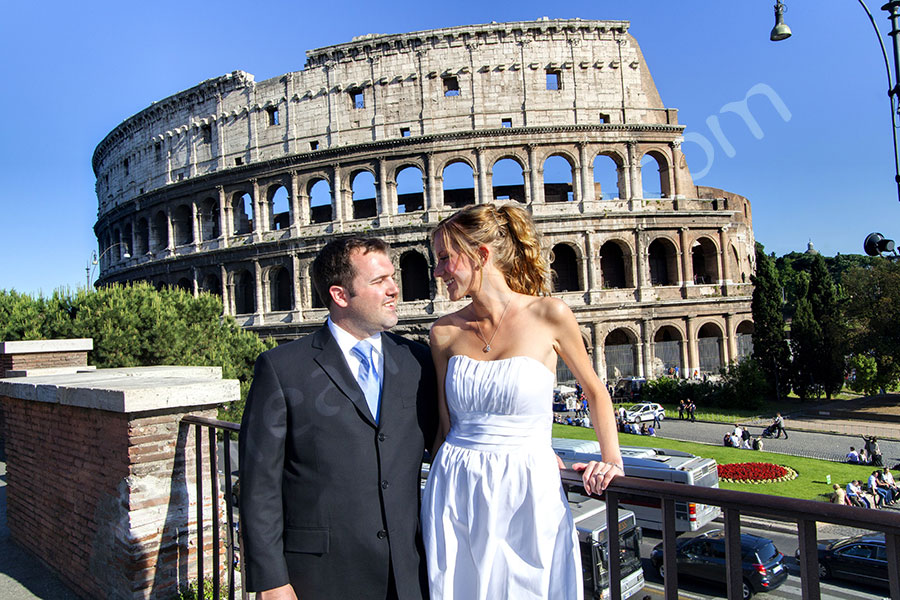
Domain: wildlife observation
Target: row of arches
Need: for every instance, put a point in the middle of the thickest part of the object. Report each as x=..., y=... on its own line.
x=408, y=187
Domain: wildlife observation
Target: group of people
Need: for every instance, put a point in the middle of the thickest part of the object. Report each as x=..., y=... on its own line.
x=687, y=410
x=869, y=454
x=740, y=437
x=336, y=425
x=880, y=490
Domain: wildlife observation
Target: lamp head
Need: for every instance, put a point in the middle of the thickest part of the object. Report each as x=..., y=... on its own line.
x=780, y=31
x=876, y=244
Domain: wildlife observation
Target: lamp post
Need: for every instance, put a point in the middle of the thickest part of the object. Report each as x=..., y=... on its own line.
x=782, y=32
x=95, y=260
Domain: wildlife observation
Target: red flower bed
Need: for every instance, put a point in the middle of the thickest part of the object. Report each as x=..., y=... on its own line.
x=754, y=472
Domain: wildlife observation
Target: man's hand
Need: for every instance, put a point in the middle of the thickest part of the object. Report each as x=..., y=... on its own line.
x=285, y=592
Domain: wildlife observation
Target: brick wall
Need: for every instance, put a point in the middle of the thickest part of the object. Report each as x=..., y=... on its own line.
x=108, y=499
x=50, y=360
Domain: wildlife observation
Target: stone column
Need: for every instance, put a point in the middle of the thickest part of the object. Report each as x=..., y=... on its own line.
x=111, y=504
x=730, y=341
x=634, y=177
x=387, y=202
x=195, y=276
x=693, y=352
x=296, y=207
x=260, y=217
x=337, y=195
x=640, y=262
x=685, y=258
x=170, y=243
x=599, y=358
x=677, y=183
x=724, y=244
x=586, y=176
x=647, y=347
x=480, y=178
x=195, y=229
x=536, y=176
x=224, y=217
x=227, y=292
x=297, y=281
x=257, y=280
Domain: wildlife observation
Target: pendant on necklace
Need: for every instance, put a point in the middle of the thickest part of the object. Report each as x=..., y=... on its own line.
x=486, y=349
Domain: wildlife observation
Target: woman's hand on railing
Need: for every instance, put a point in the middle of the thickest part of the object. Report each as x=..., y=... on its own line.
x=597, y=475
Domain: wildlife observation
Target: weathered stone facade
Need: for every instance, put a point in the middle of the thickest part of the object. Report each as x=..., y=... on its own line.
x=232, y=186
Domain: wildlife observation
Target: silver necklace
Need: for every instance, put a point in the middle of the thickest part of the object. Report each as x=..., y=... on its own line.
x=487, y=343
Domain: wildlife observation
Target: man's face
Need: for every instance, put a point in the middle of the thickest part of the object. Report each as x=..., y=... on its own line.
x=369, y=306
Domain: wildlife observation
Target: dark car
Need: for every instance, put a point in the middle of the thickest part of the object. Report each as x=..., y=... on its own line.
x=862, y=558
x=703, y=557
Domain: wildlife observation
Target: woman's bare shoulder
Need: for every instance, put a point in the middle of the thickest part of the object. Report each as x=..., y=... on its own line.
x=551, y=309
x=445, y=329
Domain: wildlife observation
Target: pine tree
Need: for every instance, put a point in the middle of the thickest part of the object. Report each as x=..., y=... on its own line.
x=770, y=349
x=828, y=314
x=806, y=347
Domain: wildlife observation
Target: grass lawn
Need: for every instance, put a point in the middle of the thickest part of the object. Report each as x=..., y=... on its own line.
x=809, y=485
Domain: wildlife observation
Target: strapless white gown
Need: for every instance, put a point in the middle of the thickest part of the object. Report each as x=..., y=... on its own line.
x=495, y=519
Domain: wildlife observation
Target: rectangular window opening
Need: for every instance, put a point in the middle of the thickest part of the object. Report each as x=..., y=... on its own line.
x=604, y=118
x=238, y=161
x=126, y=166
x=314, y=145
x=358, y=98
x=507, y=123
x=157, y=148
x=404, y=132
x=451, y=86
x=274, y=119
x=554, y=82
x=206, y=134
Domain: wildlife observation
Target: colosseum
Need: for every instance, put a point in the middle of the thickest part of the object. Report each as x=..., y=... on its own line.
x=232, y=186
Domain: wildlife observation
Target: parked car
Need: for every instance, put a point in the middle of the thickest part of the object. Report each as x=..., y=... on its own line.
x=644, y=412
x=861, y=558
x=628, y=389
x=703, y=557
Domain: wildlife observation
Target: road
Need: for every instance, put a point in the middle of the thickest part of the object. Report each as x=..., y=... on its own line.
x=790, y=589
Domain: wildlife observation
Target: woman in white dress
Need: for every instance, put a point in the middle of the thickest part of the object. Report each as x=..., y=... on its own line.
x=495, y=519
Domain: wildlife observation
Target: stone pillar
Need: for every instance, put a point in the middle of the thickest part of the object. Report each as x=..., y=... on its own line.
x=195, y=222
x=723, y=259
x=227, y=294
x=677, y=158
x=634, y=177
x=224, y=218
x=640, y=263
x=641, y=358
x=480, y=178
x=45, y=357
x=587, y=177
x=685, y=256
x=387, y=202
x=693, y=352
x=536, y=176
x=433, y=198
x=260, y=219
x=730, y=341
x=111, y=504
x=296, y=206
x=592, y=251
x=257, y=279
x=337, y=195
x=195, y=276
x=646, y=347
x=297, y=281
x=599, y=357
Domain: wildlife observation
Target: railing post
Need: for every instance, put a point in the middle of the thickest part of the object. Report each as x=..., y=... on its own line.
x=198, y=448
x=735, y=577
x=892, y=543
x=229, y=519
x=809, y=559
x=670, y=564
x=213, y=475
x=612, y=544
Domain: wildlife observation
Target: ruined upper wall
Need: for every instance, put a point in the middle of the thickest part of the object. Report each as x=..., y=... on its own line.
x=380, y=87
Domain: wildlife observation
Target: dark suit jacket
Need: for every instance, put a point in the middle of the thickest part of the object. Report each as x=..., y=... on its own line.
x=330, y=500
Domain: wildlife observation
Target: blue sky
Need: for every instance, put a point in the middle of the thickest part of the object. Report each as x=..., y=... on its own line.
x=820, y=169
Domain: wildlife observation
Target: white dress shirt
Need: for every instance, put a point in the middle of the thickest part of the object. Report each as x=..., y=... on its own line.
x=347, y=341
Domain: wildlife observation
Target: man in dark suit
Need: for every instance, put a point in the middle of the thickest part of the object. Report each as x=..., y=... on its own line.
x=332, y=441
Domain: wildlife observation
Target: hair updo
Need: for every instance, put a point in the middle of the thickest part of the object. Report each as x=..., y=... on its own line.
x=510, y=232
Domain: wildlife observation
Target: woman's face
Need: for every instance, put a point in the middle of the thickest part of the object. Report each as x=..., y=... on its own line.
x=454, y=267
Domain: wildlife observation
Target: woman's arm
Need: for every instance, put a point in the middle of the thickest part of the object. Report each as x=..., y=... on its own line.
x=569, y=345
x=439, y=342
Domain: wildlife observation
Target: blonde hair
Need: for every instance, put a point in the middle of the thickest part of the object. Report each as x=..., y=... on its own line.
x=510, y=232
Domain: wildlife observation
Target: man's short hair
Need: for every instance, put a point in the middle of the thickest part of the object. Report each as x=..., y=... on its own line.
x=332, y=265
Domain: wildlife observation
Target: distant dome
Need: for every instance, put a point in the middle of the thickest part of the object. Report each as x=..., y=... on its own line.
x=810, y=249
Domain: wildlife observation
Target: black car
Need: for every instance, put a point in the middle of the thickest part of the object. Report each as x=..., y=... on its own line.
x=862, y=558
x=703, y=557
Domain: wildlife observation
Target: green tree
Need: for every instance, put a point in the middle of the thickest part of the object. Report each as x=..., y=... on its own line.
x=806, y=336
x=873, y=314
x=827, y=310
x=770, y=348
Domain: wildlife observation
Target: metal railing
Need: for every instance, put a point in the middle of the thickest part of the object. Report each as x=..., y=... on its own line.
x=212, y=426
x=804, y=513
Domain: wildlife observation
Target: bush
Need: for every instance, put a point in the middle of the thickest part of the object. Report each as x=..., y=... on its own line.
x=136, y=325
x=742, y=385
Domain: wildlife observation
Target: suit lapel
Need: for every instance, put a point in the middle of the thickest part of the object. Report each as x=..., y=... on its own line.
x=332, y=361
x=392, y=383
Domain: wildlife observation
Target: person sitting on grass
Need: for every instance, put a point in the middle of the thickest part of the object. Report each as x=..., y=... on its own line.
x=838, y=496
x=853, y=456
x=856, y=496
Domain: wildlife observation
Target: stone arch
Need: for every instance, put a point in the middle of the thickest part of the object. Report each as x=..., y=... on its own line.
x=508, y=179
x=662, y=258
x=564, y=269
x=242, y=212
x=710, y=347
x=415, y=282
x=667, y=351
x=321, y=200
x=244, y=293
x=209, y=219
x=362, y=184
x=116, y=245
x=704, y=261
x=744, y=337
x=608, y=180
x=160, y=231
x=281, y=289
x=559, y=185
x=455, y=173
x=656, y=186
x=142, y=237
x=410, y=188
x=211, y=284
x=127, y=241
x=620, y=351
x=182, y=225
x=279, y=202
x=615, y=265
x=186, y=285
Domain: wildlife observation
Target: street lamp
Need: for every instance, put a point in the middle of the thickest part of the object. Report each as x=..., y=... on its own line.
x=782, y=32
x=95, y=260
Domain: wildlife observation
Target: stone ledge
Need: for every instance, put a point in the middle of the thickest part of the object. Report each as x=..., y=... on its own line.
x=127, y=390
x=46, y=346
x=42, y=372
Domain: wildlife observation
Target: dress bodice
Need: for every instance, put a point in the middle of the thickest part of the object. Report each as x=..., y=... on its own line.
x=495, y=403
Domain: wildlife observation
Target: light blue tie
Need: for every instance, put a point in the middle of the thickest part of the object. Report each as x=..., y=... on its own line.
x=368, y=378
